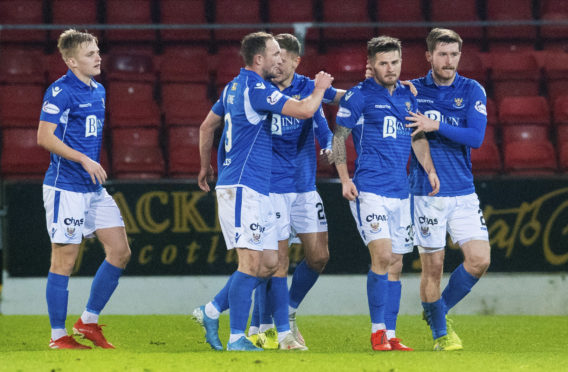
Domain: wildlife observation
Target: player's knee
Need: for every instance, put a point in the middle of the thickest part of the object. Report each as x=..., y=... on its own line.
x=318, y=261
x=395, y=267
x=478, y=265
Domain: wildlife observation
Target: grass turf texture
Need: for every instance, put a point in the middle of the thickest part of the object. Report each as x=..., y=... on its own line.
x=338, y=343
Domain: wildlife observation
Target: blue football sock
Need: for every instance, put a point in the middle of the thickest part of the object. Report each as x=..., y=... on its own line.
x=240, y=300
x=376, y=294
x=264, y=303
x=278, y=295
x=436, y=317
x=255, y=317
x=56, y=294
x=303, y=280
x=458, y=287
x=221, y=300
x=104, y=284
x=392, y=305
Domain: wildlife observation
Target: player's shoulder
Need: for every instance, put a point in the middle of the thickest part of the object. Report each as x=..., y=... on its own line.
x=470, y=85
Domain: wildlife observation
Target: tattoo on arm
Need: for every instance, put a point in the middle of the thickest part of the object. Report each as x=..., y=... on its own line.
x=339, y=136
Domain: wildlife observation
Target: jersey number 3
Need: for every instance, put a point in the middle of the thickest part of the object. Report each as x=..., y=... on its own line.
x=228, y=133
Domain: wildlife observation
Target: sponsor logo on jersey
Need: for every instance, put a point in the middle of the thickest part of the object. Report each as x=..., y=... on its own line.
x=343, y=112
x=83, y=105
x=458, y=103
x=260, y=85
x=348, y=95
x=436, y=115
x=392, y=127
x=480, y=107
x=274, y=97
x=55, y=91
x=50, y=108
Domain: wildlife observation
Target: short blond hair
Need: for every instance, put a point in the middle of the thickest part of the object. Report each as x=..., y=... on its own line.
x=442, y=35
x=71, y=39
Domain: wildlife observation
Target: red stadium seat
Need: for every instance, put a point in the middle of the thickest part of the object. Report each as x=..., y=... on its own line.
x=13, y=12
x=556, y=74
x=525, y=133
x=183, y=152
x=457, y=11
x=132, y=104
x=227, y=64
x=185, y=104
x=562, y=144
x=528, y=150
x=524, y=110
x=136, y=154
x=345, y=11
x=130, y=67
x=514, y=74
x=21, y=66
x=282, y=11
x=234, y=12
x=184, y=12
x=401, y=11
x=513, y=10
x=491, y=112
x=486, y=159
x=560, y=110
x=414, y=63
x=20, y=105
x=129, y=12
x=55, y=67
x=471, y=66
x=345, y=64
x=553, y=10
x=185, y=65
x=21, y=156
x=73, y=12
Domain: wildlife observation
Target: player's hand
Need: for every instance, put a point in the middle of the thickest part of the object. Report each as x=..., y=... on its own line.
x=349, y=190
x=434, y=182
x=409, y=84
x=323, y=80
x=94, y=169
x=205, y=175
x=326, y=156
x=368, y=71
x=421, y=123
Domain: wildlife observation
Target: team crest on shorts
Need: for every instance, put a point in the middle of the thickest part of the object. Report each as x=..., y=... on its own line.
x=70, y=232
x=425, y=231
x=375, y=227
x=255, y=238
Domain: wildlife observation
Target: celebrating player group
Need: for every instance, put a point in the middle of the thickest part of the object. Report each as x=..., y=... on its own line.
x=265, y=188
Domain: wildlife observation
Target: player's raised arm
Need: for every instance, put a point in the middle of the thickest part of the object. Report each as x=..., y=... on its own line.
x=306, y=108
x=47, y=139
x=421, y=149
x=206, y=134
x=349, y=189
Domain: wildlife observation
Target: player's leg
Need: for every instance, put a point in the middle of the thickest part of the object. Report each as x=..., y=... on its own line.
x=377, y=285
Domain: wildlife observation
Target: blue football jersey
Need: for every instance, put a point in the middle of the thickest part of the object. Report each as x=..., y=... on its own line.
x=461, y=110
x=245, y=151
x=381, y=139
x=293, y=142
x=78, y=110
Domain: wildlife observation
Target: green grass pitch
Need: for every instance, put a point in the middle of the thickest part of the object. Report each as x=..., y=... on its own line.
x=337, y=343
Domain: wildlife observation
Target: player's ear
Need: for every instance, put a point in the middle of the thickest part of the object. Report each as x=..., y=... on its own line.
x=258, y=59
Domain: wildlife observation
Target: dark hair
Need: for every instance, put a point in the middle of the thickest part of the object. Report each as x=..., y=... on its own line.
x=382, y=44
x=289, y=42
x=442, y=35
x=254, y=44
x=71, y=39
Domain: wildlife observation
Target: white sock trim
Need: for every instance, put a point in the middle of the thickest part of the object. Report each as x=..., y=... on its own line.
x=211, y=311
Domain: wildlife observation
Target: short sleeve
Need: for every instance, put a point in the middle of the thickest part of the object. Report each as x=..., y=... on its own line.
x=218, y=108
x=350, y=108
x=55, y=105
x=265, y=97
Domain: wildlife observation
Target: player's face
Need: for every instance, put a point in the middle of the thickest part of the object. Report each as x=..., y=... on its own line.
x=286, y=69
x=271, y=59
x=444, y=60
x=86, y=60
x=386, y=68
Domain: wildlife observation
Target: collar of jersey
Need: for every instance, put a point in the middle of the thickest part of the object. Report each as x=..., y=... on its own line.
x=430, y=80
x=251, y=73
x=382, y=89
x=78, y=83
x=290, y=87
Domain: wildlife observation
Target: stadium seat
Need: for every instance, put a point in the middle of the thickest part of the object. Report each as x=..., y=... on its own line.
x=486, y=159
x=514, y=74
x=492, y=118
x=235, y=12
x=562, y=144
x=187, y=64
x=129, y=67
x=560, y=111
x=132, y=104
x=55, y=67
x=26, y=12
x=227, y=64
x=414, y=63
x=528, y=150
x=136, y=154
x=20, y=105
x=281, y=11
x=556, y=74
x=525, y=133
x=524, y=110
x=185, y=104
x=513, y=10
x=21, y=66
x=401, y=11
x=345, y=11
x=21, y=156
x=457, y=11
x=553, y=10
x=184, y=12
x=471, y=66
x=345, y=64
x=183, y=152
x=73, y=12
x=129, y=12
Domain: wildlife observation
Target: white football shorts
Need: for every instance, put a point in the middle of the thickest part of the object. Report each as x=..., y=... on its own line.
x=460, y=216
x=70, y=215
x=379, y=217
x=247, y=218
x=301, y=213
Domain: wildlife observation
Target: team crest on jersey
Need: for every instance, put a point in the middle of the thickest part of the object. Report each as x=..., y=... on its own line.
x=234, y=86
x=408, y=106
x=296, y=96
x=458, y=103
x=425, y=231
